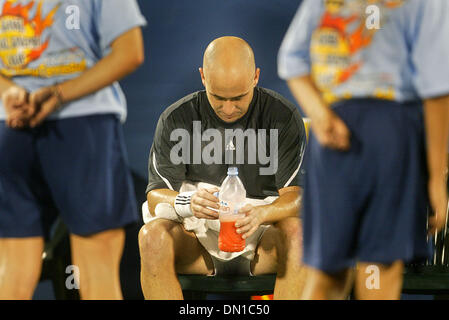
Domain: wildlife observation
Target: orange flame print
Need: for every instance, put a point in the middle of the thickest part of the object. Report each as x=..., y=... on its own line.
x=32, y=28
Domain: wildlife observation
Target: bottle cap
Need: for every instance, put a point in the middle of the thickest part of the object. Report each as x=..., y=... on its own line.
x=233, y=171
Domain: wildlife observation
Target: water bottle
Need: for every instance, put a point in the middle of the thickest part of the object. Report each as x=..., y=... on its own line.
x=231, y=197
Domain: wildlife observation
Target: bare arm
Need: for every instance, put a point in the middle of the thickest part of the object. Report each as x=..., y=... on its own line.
x=199, y=203
x=127, y=53
x=308, y=97
x=436, y=113
x=287, y=205
x=154, y=197
x=5, y=84
x=329, y=129
x=437, y=128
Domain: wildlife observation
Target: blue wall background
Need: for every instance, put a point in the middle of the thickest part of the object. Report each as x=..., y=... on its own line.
x=176, y=36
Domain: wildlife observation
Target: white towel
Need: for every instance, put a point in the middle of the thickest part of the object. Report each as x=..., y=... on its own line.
x=207, y=230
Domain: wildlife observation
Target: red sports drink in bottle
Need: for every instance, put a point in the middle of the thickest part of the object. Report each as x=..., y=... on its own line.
x=232, y=197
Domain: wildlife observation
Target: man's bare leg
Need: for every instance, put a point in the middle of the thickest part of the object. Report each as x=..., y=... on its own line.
x=280, y=251
x=389, y=281
x=98, y=258
x=323, y=286
x=20, y=267
x=166, y=249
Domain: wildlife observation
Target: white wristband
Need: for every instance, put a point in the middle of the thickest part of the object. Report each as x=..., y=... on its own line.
x=182, y=204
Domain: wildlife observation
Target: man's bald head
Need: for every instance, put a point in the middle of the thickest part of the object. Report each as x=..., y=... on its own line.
x=229, y=75
x=228, y=59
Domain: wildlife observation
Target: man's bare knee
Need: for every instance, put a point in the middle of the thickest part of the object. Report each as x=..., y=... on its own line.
x=156, y=240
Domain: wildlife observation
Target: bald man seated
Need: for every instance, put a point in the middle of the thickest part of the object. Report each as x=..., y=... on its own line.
x=232, y=123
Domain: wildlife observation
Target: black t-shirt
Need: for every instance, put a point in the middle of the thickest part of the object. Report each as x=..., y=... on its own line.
x=193, y=144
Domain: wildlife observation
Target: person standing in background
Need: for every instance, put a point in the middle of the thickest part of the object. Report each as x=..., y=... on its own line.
x=61, y=140
x=362, y=80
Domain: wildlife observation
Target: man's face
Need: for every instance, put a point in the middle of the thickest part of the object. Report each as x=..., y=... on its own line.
x=230, y=97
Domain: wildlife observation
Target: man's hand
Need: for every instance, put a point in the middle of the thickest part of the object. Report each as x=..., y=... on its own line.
x=201, y=200
x=254, y=217
x=23, y=109
x=438, y=202
x=46, y=101
x=17, y=107
x=331, y=131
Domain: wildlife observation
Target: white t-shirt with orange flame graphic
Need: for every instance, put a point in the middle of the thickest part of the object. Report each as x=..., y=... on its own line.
x=43, y=42
x=404, y=57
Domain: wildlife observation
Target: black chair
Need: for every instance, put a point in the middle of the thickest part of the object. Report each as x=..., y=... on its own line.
x=196, y=287
x=431, y=280
x=432, y=276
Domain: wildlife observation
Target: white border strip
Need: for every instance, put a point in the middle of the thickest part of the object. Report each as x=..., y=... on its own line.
x=297, y=169
x=164, y=179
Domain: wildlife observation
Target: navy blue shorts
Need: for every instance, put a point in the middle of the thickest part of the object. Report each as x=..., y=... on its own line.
x=368, y=204
x=77, y=166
